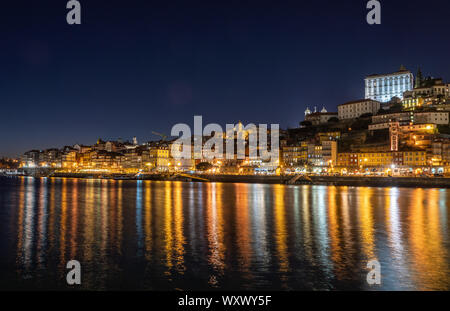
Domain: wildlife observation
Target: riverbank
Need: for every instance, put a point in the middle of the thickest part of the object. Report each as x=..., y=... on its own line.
x=415, y=182
x=422, y=182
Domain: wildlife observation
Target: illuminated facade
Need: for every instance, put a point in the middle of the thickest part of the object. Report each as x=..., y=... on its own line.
x=357, y=108
x=384, y=87
x=295, y=155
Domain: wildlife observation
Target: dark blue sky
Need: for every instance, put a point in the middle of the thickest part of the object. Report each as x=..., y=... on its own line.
x=134, y=67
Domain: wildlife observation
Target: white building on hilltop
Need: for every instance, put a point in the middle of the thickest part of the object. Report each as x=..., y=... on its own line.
x=382, y=87
x=357, y=108
x=317, y=118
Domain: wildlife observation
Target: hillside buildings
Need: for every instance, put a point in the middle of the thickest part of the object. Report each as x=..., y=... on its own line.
x=406, y=137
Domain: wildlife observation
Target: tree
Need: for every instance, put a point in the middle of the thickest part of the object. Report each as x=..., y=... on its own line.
x=397, y=107
x=333, y=120
x=360, y=124
x=306, y=123
x=366, y=115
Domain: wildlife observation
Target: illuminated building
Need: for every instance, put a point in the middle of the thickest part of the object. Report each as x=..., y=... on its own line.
x=317, y=118
x=432, y=117
x=355, y=109
x=315, y=154
x=329, y=152
x=412, y=103
x=414, y=158
x=378, y=159
x=383, y=160
x=402, y=117
x=295, y=155
x=332, y=135
x=429, y=92
x=383, y=87
x=432, y=88
x=30, y=159
x=440, y=152
x=69, y=158
x=347, y=159
x=160, y=158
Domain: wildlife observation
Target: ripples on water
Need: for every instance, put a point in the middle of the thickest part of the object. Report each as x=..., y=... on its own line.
x=175, y=235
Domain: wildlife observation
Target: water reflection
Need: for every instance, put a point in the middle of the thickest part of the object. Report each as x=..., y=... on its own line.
x=197, y=236
x=214, y=223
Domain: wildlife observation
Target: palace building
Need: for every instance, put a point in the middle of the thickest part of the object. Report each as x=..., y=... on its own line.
x=383, y=87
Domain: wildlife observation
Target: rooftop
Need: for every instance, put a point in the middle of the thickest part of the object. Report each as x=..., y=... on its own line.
x=357, y=101
x=402, y=70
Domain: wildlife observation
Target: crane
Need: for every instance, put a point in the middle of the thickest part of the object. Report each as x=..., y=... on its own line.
x=163, y=136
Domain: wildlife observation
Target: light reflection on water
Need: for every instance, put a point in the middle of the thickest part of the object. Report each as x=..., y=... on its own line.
x=174, y=235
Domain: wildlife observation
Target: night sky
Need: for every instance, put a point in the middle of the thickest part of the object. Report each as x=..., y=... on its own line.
x=133, y=67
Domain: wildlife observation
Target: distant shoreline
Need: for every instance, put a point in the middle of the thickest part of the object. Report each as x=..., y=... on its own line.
x=414, y=182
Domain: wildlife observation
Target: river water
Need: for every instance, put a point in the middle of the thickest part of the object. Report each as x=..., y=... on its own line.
x=200, y=236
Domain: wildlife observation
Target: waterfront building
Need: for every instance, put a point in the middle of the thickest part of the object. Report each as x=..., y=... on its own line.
x=134, y=159
x=100, y=160
x=30, y=159
x=50, y=158
x=69, y=159
x=295, y=155
x=407, y=161
x=347, y=159
x=440, y=152
x=322, y=153
x=160, y=158
x=357, y=108
x=383, y=87
x=385, y=160
x=329, y=152
x=378, y=159
x=414, y=158
x=315, y=157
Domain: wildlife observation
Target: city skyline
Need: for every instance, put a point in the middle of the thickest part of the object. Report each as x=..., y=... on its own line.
x=323, y=112
x=225, y=154
x=125, y=72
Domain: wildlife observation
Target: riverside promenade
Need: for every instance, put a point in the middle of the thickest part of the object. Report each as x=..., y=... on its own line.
x=369, y=181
